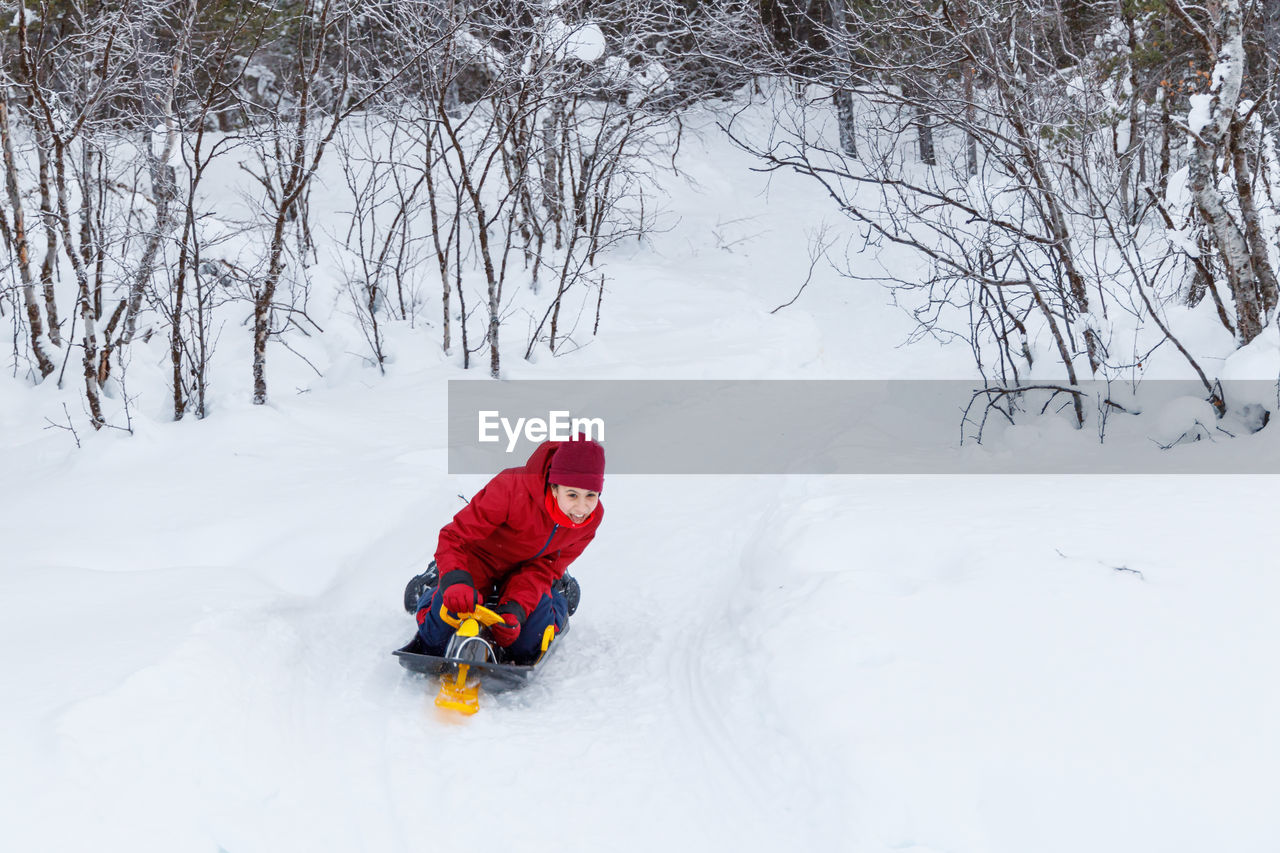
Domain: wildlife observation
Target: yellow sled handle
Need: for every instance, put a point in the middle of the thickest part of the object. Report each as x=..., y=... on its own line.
x=482, y=613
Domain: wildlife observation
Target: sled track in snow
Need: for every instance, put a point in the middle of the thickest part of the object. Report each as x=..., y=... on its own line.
x=711, y=723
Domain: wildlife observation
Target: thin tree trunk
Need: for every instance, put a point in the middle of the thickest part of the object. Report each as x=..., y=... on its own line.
x=486, y=253
x=845, y=115
x=1268, y=291
x=175, y=326
x=1166, y=125
x=442, y=254
x=491, y=281
x=164, y=190
x=48, y=220
x=86, y=303
x=1063, y=245
x=87, y=207
x=36, y=326
x=88, y=311
x=295, y=183
x=457, y=272
x=1127, y=153
x=924, y=131
x=1063, y=351
x=262, y=304
x=971, y=117
x=1208, y=140
x=967, y=75
x=552, y=182
x=200, y=361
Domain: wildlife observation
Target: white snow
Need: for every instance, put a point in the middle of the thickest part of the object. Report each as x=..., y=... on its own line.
x=1184, y=240
x=650, y=78
x=584, y=42
x=1183, y=419
x=160, y=141
x=196, y=621
x=31, y=16
x=1200, y=113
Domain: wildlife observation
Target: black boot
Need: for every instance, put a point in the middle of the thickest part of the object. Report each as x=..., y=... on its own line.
x=418, y=585
x=568, y=587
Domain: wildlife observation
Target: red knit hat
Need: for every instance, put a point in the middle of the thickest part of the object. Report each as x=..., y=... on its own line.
x=578, y=463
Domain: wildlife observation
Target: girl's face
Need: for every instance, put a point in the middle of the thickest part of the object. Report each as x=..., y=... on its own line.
x=574, y=502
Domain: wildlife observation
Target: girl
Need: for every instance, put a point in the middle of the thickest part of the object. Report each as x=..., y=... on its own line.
x=513, y=541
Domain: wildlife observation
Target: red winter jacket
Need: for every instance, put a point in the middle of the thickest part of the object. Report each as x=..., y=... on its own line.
x=505, y=538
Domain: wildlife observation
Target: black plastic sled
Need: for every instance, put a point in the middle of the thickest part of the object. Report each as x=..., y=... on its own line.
x=496, y=676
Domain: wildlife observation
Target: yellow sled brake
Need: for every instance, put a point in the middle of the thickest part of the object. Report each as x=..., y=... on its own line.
x=455, y=693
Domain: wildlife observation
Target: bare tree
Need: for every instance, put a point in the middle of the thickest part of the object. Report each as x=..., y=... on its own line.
x=1215, y=130
x=501, y=146
x=1029, y=198
x=387, y=196
x=70, y=79
x=35, y=323
x=548, y=150
x=213, y=86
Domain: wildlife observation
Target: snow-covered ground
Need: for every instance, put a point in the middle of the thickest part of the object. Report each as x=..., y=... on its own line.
x=196, y=620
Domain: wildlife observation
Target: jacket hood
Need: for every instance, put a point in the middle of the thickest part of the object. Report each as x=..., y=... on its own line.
x=537, y=468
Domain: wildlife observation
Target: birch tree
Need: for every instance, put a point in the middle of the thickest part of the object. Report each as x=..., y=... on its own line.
x=1210, y=124
x=1027, y=221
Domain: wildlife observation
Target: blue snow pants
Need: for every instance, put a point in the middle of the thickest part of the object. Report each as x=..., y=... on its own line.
x=551, y=610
